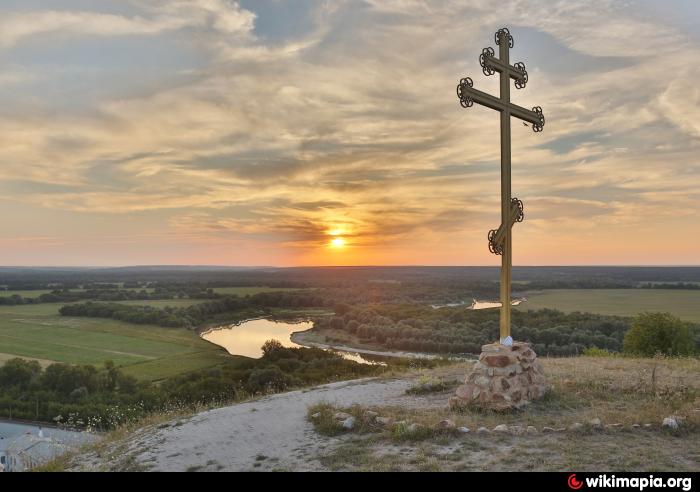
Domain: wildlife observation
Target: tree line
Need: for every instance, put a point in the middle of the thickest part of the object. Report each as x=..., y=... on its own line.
x=551, y=332
x=104, y=397
x=196, y=314
x=459, y=330
x=109, y=295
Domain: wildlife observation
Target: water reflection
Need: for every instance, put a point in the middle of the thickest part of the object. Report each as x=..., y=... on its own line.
x=478, y=304
x=248, y=337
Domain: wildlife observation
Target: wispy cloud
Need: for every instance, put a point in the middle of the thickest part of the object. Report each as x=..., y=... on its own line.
x=350, y=123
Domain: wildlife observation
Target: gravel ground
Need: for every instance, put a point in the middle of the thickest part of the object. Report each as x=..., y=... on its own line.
x=267, y=434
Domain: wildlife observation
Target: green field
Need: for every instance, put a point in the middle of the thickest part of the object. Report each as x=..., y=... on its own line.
x=239, y=291
x=148, y=352
x=30, y=294
x=622, y=302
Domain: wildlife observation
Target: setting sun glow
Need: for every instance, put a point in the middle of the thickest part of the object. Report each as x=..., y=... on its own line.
x=337, y=242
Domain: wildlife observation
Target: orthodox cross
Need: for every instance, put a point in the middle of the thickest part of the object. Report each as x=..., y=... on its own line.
x=500, y=240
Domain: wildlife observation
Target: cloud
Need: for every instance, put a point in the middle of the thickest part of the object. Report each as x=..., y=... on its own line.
x=353, y=124
x=220, y=15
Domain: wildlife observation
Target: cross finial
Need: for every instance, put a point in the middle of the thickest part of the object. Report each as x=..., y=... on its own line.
x=504, y=33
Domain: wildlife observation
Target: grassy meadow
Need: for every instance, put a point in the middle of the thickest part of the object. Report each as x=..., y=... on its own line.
x=149, y=352
x=620, y=391
x=39, y=332
x=621, y=302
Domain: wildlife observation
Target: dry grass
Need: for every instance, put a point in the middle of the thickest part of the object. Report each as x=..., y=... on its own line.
x=615, y=390
x=114, y=446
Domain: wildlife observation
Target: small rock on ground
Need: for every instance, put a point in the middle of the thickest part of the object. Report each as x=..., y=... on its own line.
x=670, y=423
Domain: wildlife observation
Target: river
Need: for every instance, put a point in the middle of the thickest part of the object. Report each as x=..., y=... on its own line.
x=477, y=304
x=247, y=338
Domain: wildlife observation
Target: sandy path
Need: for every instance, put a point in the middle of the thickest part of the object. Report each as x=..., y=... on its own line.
x=231, y=438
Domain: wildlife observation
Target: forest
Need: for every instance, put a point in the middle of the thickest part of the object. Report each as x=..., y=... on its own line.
x=462, y=331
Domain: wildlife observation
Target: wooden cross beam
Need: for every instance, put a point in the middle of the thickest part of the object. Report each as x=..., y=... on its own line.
x=500, y=240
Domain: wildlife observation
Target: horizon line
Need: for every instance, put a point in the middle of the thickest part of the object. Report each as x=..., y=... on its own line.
x=195, y=265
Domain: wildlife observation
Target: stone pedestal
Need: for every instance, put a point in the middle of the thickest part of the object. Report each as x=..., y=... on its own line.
x=504, y=377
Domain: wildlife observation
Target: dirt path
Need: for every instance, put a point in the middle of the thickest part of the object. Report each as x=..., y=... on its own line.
x=272, y=433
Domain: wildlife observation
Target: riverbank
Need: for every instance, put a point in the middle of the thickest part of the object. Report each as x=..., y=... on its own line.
x=476, y=305
x=306, y=339
x=246, y=337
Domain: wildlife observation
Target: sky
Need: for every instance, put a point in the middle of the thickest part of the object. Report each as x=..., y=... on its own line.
x=328, y=132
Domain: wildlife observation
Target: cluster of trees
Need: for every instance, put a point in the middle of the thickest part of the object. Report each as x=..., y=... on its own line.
x=458, y=330
x=79, y=395
x=671, y=285
x=661, y=333
x=196, y=314
x=105, y=397
x=279, y=369
x=140, y=315
x=111, y=295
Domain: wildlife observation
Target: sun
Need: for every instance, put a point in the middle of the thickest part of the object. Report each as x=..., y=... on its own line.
x=337, y=242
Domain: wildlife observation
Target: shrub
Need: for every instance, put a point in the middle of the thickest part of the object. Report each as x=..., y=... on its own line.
x=597, y=352
x=653, y=333
x=271, y=347
x=268, y=379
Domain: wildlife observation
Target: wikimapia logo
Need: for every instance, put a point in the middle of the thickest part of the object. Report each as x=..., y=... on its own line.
x=640, y=483
x=574, y=484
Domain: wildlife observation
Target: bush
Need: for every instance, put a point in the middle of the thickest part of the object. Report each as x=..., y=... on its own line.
x=271, y=347
x=653, y=333
x=597, y=352
x=268, y=379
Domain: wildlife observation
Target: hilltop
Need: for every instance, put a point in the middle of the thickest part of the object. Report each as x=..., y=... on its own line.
x=397, y=426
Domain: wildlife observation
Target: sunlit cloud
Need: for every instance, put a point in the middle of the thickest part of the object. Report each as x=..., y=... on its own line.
x=332, y=134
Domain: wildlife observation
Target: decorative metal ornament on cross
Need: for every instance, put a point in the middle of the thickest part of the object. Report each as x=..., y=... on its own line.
x=500, y=240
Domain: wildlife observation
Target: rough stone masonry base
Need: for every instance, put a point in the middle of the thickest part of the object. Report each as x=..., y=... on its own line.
x=504, y=377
